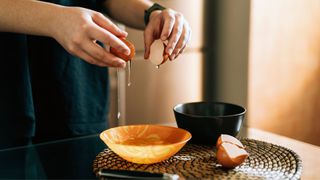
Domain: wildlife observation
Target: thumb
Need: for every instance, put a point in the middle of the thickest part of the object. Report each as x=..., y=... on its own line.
x=108, y=25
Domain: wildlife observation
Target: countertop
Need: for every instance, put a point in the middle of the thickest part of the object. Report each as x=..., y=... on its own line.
x=309, y=154
x=73, y=158
x=63, y=159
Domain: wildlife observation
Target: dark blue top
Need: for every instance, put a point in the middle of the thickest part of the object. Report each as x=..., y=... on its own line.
x=47, y=93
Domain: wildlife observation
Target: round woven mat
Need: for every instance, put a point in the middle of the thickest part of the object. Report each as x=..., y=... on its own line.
x=266, y=161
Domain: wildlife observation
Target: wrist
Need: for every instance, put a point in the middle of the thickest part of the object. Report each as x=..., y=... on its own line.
x=56, y=21
x=150, y=10
x=48, y=19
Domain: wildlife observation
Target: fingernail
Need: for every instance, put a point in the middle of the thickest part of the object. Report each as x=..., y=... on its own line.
x=163, y=38
x=121, y=64
x=172, y=56
x=146, y=54
x=170, y=51
x=126, y=52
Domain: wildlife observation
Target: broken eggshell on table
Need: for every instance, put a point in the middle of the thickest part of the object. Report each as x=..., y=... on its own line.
x=230, y=151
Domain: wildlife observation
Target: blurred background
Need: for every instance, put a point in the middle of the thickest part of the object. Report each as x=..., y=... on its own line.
x=263, y=55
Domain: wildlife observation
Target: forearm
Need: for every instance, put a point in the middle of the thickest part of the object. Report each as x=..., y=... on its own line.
x=129, y=12
x=27, y=16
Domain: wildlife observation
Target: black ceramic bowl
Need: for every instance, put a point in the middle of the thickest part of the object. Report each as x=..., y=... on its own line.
x=206, y=121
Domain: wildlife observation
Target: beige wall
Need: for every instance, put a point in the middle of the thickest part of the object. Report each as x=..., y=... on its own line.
x=154, y=92
x=284, y=68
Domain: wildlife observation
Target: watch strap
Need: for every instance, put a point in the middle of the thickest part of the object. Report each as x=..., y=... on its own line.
x=148, y=12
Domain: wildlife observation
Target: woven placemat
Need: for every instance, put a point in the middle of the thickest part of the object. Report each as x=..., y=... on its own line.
x=266, y=161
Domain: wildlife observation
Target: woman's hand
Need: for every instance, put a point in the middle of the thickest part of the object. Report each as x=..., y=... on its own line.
x=167, y=25
x=78, y=29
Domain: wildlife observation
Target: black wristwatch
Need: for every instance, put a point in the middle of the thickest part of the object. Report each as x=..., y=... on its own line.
x=147, y=12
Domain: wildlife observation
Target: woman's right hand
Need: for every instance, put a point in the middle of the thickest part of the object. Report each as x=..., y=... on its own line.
x=78, y=29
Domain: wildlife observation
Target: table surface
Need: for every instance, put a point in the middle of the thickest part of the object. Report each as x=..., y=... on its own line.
x=63, y=159
x=309, y=154
x=73, y=158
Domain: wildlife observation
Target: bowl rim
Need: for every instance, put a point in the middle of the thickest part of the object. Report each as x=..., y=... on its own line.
x=171, y=127
x=210, y=102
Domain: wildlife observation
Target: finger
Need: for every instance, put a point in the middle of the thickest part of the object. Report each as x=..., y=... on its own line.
x=107, y=24
x=114, y=60
x=86, y=57
x=107, y=38
x=184, y=47
x=175, y=35
x=179, y=45
x=148, y=40
x=169, y=21
x=101, y=55
x=180, y=52
x=185, y=36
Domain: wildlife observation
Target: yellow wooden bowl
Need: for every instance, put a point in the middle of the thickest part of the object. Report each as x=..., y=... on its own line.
x=145, y=144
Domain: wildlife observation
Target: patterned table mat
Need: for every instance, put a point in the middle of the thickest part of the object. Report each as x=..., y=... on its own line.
x=266, y=161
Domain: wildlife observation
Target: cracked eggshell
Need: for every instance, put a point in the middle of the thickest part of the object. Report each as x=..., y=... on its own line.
x=121, y=55
x=157, y=53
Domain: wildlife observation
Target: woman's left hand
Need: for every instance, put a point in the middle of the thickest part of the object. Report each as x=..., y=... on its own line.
x=167, y=25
